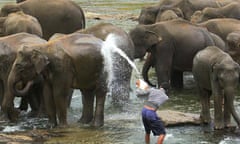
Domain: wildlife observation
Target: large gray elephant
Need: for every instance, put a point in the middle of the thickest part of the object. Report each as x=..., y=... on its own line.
x=151, y=60
x=8, y=50
x=216, y=74
x=221, y=26
x=183, y=8
x=231, y=10
x=122, y=70
x=61, y=16
x=173, y=44
x=19, y=22
x=72, y=61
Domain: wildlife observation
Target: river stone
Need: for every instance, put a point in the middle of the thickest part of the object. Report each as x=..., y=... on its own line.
x=176, y=118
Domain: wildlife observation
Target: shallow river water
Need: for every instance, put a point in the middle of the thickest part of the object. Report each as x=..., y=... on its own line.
x=125, y=127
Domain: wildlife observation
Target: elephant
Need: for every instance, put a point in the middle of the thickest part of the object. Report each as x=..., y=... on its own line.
x=61, y=16
x=216, y=74
x=169, y=42
x=122, y=70
x=153, y=14
x=19, y=22
x=9, y=47
x=230, y=10
x=71, y=61
x=183, y=8
x=227, y=29
x=221, y=26
x=166, y=15
x=151, y=60
x=233, y=41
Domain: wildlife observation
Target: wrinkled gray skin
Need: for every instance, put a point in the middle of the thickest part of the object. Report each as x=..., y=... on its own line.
x=221, y=26
x=216, y=74
x=183, y=8
x=150, y=60
x=233, y=41
x=173, y=44
x=19, y=22
x=232, y=10
x=166, y=15
x=218, y=41
x=61, y=16
x=122, y=70
x=153, y=14
x=8, y=50
x=72, y=61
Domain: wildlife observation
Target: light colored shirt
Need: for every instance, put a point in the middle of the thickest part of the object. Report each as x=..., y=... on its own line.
x=157, y=96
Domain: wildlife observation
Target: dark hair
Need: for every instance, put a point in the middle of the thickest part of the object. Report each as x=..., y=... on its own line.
x=165, y=85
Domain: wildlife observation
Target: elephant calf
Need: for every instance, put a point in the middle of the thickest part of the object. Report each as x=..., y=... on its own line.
x=20, y=22
x=217, y=74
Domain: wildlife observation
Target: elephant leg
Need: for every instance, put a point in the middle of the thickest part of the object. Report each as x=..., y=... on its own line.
x=24, y=103
x=49, y=104
x=177, y=79
x=61, y=104
x=87, y=101
x=205, y=103
x=1, y=92
x=227, y=114
x=34, y=103
x=218, y=112
x=99, y=109
x=70, y=93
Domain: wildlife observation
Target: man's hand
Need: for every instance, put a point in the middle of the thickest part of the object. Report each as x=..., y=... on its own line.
x=141, y=84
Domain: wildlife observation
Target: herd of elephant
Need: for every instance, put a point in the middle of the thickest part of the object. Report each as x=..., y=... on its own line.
x=197, y=36
x=46, y=51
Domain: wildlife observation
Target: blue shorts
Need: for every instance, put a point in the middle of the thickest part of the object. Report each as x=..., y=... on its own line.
x=152, y=122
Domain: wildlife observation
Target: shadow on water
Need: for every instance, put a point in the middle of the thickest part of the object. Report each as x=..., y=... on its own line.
x=124, y=127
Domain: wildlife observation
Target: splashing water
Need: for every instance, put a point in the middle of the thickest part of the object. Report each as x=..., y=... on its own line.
x=109, y=47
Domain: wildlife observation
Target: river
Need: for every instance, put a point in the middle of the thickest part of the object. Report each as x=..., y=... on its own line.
x=126, y=127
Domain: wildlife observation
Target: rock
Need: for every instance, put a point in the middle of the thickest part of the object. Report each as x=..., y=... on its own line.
x=176, y=118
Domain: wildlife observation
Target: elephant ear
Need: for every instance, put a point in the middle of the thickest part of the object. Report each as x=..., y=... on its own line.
x=215, y=69
x=39, y=60
x=154, y=38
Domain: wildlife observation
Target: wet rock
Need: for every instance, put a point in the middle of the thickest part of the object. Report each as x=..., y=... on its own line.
x=176, y=118
x=14, y=138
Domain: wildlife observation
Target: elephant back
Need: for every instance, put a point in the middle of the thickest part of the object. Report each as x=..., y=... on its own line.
x=60, y=16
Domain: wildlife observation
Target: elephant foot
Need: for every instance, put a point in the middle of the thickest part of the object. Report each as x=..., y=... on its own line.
x=218, y=126
x=32, y=114
x=3, y=116
x=63, y=125
x=97, y=123
x=51, y=125
x=85, y=120
x=205, y=119
x=13, y=114
x=230, y=126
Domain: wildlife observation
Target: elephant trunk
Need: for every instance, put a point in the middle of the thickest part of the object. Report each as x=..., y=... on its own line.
x=147, y=65
x=229, y=97
x=24, y=90
x=13, y=81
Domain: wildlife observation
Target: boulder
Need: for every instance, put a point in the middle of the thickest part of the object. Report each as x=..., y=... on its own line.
x=176, y=118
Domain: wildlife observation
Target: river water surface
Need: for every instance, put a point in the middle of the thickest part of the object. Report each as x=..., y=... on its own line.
x=125, y=127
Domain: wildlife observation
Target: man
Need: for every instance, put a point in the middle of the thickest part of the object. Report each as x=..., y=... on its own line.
x=151, y=121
